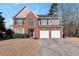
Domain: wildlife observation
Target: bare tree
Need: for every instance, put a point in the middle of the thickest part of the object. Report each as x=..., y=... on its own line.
x=69, y=16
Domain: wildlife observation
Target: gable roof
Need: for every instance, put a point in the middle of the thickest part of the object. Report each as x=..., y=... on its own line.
x=22, y=13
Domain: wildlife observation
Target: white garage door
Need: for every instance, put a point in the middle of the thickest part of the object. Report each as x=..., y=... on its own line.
x=44, y=34
x=55, y=34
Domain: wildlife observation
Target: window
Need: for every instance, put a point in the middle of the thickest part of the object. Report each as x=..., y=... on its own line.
x=19, y=31
x=49, y=22
x=43, y=22
x=31, y=22
x=55, y=21
x=19, y=22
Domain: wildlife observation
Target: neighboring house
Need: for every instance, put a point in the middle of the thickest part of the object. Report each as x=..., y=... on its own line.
x=37, y=26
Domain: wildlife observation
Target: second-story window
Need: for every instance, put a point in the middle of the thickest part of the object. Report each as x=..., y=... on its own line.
x=19, y=21
x=55, y=21
x=31, y=21
x=43, y=22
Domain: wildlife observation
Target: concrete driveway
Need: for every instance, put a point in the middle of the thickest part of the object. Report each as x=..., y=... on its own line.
x=57, y=47
x=19, y=47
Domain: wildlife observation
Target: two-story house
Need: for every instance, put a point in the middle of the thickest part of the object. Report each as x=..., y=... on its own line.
x=37, y=26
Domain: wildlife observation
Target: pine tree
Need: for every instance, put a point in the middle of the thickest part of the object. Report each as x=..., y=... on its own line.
x=53, y=9
x=2, y=23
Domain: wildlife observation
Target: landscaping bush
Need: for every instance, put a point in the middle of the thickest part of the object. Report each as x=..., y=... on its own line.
x=18, y=35
x=21, y=36
x=9, y=34
x=26, y=35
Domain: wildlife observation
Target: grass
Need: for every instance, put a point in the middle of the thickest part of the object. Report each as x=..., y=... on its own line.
x=19, y=47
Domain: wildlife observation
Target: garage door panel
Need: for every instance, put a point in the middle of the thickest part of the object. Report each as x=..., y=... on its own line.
x=55, y=34
x=44, y=34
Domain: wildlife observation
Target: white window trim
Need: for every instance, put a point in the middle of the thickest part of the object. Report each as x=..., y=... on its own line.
x=17, y=23
x=17, y=29
x=43, y=22
x=55, y=21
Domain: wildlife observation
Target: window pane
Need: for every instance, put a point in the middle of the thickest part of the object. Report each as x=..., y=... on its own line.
x=19, y=22
x=20, y=31
x=43, y=22
x=55, y=22
x=31, y=21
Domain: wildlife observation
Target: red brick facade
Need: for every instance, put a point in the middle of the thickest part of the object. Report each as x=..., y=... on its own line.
x=26, y=26
x=34, y=26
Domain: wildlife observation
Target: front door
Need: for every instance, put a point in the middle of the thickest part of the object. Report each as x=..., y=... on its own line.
x=31, y=32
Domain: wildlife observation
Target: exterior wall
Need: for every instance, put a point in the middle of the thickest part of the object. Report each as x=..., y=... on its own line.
x=26, y=25
x=17, y=26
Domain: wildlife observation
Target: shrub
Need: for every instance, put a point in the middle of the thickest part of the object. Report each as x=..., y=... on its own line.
x=9, y=34
x=26, y=35
x=18, y=35
x=21, y=36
